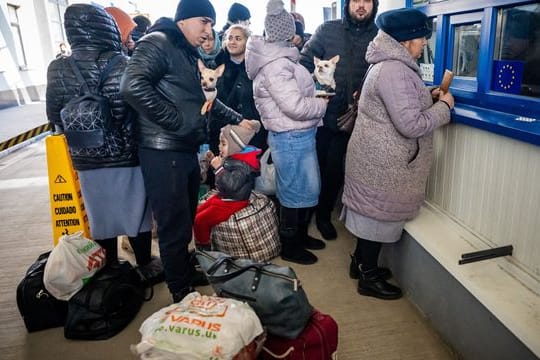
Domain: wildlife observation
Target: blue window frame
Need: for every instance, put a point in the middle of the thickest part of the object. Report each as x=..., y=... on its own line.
x=489, y=91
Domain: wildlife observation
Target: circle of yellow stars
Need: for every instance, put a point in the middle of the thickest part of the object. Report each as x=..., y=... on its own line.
x=507, y=67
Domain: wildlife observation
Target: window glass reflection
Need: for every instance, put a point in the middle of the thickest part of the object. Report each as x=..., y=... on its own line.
x=466, y=46
x=517, y=51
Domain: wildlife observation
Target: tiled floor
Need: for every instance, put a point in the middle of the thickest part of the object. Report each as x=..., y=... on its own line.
x=368, y=328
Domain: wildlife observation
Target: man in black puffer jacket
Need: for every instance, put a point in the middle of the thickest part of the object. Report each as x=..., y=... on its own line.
x=348, y=38
x=162, y=83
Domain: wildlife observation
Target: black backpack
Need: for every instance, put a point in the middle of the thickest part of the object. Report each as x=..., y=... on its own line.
x=87, y=117
x=38, y=308
x=106, y=305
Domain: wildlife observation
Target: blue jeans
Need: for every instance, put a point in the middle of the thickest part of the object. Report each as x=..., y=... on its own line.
x=172, y=183
x=294, y=154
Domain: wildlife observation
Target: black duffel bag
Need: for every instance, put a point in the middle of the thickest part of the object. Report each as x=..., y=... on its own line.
x=38, y=308
x=106, y=305
x=274, y=292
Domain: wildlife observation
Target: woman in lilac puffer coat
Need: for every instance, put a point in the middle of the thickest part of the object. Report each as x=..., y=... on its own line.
x=390, y=151
x=284, y=95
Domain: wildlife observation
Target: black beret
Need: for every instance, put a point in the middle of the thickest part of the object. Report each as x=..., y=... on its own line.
x=405, y=24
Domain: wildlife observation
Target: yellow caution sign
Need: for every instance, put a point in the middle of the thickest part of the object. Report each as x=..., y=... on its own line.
x=67, y=207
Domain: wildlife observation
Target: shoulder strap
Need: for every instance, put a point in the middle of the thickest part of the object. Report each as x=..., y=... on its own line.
x=108, y=68
x=363, y=80
x=350, y=90
x=106, y=71
x=78, y=74
x=348, y=40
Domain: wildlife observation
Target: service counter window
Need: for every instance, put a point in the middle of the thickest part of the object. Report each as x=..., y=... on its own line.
x=493, y=49
x=516, y=57
x=466, y=45
x=464, y=49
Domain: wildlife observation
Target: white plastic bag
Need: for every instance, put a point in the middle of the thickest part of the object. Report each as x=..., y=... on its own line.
x=71, y=264
x=266, y=182
x=198, y=327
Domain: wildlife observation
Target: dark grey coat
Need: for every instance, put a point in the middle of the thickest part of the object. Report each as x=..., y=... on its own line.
x=349, y=40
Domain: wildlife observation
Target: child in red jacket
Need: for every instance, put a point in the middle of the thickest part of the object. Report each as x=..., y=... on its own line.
x=235, y=169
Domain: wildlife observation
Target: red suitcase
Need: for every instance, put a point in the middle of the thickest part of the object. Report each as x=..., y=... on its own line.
x=318, y=341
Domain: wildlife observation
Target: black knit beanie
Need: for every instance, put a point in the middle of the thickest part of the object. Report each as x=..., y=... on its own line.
x=299, y=28
x=238, y=12
x=194, y=8
x=143, y=23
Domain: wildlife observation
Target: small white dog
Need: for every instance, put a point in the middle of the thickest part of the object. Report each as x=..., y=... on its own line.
x=209, y=78
x=324, y=74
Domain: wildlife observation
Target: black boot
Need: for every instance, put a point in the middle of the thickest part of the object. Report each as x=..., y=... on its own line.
x=354, y=270
x=291, y=246
x=311, y=243
x=179, y=295
x=150, y=266
x=111, y=250
x=198, y=278
x=306, y=240
x=142, y=247
x=371, y=284
x=297, y=254
x=324, y=225
x=326, y=228
x=366, y=254
x=153, y=271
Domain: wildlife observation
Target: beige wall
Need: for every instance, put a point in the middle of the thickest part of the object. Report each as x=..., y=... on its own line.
x=489, y=185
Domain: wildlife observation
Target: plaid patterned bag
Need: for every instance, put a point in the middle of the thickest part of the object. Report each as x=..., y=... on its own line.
x=251, y=233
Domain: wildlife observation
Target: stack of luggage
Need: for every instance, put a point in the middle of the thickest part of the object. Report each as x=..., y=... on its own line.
x=73, y=287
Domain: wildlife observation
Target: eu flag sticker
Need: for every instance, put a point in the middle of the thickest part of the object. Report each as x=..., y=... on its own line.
x=507, y=76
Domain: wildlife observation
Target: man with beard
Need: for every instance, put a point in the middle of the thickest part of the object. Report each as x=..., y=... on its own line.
x=348, y=38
